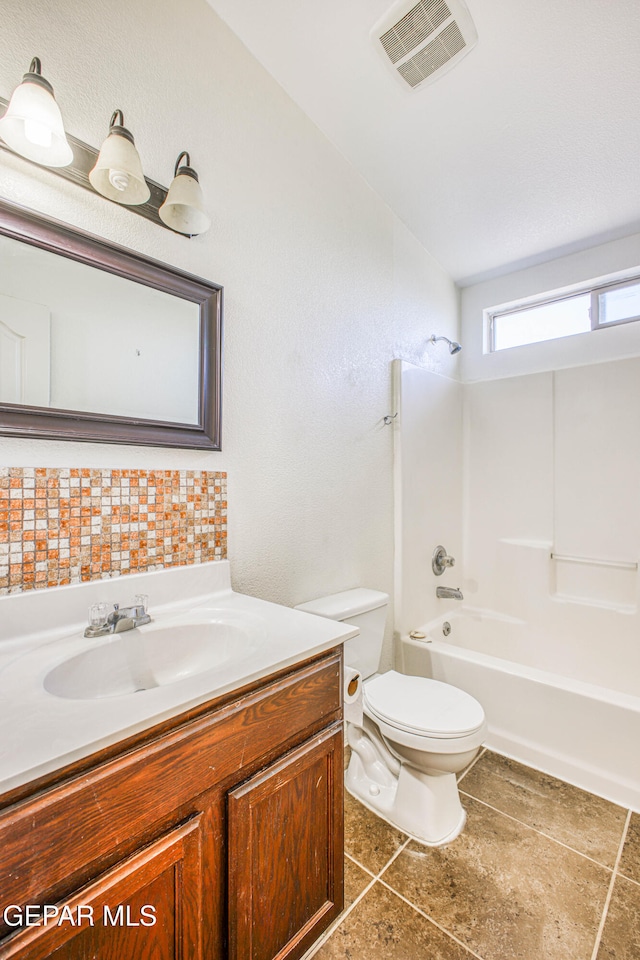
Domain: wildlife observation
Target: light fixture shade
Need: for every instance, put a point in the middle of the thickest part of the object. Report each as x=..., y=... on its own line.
x=183, y=209
x=118, y=173
x=32, y=125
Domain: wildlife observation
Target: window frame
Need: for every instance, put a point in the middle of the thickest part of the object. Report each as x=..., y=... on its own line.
x=595, y=303
x=592, y=289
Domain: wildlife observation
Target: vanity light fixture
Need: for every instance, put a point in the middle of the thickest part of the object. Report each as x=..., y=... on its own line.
x=183, y=210
x=118, y=173
x=32, y=128
x=32, y=125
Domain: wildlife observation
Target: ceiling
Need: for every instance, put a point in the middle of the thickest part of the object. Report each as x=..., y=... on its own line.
x=526, y=149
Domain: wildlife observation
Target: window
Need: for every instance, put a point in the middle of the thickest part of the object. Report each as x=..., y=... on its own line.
x=591, y=308
x=619, y=304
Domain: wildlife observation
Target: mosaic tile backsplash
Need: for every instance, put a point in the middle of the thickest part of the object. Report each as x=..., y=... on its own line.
x=60, y=526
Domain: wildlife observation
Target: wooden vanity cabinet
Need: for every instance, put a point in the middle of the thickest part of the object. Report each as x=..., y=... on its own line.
x=218, y=835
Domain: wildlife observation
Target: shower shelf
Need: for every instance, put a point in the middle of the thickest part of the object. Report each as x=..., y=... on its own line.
x=592, y=561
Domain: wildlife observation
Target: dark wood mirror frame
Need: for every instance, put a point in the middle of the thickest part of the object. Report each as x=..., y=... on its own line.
x=50, y=423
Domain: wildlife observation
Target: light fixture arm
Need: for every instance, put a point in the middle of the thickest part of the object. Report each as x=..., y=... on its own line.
x=116, y=125
x=177, y=166
x=34, y=75
x=185, y=169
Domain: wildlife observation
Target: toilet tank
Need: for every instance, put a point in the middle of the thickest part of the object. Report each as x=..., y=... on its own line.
x=363, y=608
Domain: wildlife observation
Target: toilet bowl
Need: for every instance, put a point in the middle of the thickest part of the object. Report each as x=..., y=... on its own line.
x=416, y=733
x=423, y=732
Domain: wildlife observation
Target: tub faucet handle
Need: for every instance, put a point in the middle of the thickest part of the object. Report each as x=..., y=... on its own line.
x=441, y=560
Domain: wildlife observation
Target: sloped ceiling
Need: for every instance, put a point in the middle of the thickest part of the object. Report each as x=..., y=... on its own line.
x=528, y=148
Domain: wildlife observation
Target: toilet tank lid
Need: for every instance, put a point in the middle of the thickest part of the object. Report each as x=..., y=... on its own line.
x=349, y=603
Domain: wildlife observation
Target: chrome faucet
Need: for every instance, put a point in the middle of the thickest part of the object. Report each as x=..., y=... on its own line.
x=119, y=620
x=449, y=593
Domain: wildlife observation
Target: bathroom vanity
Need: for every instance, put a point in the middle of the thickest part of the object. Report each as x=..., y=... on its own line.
x=212, y=832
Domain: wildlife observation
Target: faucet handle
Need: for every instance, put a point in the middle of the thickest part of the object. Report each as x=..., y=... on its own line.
x=98, y=613
x=441, y=560
x=141, y=600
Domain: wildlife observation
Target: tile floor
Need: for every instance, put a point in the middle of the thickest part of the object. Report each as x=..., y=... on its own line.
x=542, y=871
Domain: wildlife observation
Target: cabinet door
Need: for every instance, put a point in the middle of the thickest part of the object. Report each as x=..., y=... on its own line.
x=147, y=908
x=286, y=852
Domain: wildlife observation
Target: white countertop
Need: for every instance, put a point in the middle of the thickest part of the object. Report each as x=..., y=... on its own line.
x=42, y=732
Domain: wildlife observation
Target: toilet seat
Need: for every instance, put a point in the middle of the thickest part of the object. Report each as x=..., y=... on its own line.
x=424, y=714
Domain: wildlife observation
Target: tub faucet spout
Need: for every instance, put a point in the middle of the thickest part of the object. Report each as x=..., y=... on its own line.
x=449, y=593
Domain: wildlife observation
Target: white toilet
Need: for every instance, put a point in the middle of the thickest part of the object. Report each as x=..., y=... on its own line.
x=416, y=734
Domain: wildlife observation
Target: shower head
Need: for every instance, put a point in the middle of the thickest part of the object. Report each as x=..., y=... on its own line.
x=454, y=347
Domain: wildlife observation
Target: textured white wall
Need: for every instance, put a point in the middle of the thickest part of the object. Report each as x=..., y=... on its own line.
x=323, y=285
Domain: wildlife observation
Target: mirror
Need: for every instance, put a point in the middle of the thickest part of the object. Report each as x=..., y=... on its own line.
x=100, y=343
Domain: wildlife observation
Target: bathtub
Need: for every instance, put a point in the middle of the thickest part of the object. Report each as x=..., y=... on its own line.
x=586, y=734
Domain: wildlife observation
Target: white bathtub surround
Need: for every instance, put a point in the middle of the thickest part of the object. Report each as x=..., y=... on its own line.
x=585, y=635
x=582, y=732
x=552, y=466
x=428, y=489
x=45, y=732
x=550, y=524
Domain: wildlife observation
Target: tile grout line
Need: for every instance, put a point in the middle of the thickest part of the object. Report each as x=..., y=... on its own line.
x=374, y=878
x=338, y=921
x=345, y=913
x=430, y=919
x=481, y=754
x=394, y=856
x=636, y=883
x=350, y=856
x=540, y=833
x=607, y=902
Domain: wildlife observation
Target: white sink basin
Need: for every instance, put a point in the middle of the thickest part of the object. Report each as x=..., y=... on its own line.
x=64, y=696
x=141, y=660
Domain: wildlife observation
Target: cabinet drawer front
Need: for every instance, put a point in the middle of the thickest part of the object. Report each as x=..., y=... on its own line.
x=62, y=838
x=150, y=906
x=286, y=852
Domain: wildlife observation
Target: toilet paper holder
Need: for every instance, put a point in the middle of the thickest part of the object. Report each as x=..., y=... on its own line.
x=352, y=688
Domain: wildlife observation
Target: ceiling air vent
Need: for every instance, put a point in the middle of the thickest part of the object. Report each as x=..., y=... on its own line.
x=421, y=41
